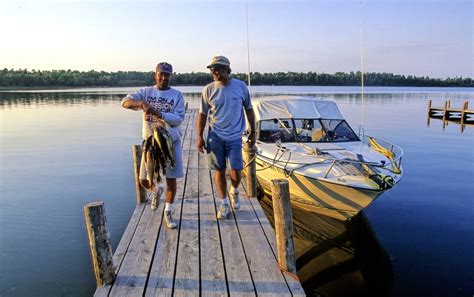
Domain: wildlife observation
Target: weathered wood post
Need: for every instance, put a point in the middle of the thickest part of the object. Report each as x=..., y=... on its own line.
x=429, y=113
x=445, y=114
x=137, y=158
x=283, y=225
x=464, y=115
x=99, y=242
x=250, y=170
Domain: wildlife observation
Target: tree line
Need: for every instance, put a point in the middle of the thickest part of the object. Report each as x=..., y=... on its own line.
x=74, y=78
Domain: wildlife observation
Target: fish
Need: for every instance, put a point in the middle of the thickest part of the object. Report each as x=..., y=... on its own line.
x=163, y=138
x=169, y=142
x=151, y=163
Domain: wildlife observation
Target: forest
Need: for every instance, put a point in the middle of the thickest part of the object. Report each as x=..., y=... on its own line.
x=23, y=78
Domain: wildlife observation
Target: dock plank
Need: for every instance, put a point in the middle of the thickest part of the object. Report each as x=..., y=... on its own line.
x=133, y=274
x=292, y=282
x=266, y=275
x=187, y=281
x=239, y=279
x=213, y=280
x=161, y=278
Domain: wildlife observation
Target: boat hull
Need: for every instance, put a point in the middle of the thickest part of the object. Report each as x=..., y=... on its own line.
x=333, y=200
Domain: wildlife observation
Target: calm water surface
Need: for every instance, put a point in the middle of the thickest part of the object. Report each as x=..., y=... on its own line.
x=62, y=149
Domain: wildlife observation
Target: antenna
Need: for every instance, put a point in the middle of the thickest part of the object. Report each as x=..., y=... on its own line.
x=248, y=49
x=361, y=127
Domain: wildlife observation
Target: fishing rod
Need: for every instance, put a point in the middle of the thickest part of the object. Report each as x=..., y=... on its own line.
x=248, y=49
x=361, y=127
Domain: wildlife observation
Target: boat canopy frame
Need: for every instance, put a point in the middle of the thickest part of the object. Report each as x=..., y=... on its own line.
x=322, y=134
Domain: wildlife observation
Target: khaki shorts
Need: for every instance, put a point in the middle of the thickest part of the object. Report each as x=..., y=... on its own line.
x=176, y=171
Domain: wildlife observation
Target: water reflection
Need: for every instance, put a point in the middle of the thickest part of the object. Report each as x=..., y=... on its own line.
x=378, y=96
x=10, y=100
x=13, y=100
x=336, y=258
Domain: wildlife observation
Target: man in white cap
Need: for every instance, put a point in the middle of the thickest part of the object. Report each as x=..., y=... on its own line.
x=161, y=104
x=223, y=104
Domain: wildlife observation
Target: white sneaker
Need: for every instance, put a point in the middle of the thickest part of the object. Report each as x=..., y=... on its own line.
x=224, y=211
x=170, y=222
x=235, y=199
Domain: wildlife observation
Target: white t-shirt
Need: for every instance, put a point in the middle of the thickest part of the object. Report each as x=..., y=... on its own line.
x=171, y=104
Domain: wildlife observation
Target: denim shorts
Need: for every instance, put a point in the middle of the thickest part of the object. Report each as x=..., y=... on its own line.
x=219, y=151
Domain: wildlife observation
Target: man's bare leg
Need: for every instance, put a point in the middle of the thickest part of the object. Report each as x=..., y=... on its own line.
x=235, y=178
x=170, y=189
x=221, y=183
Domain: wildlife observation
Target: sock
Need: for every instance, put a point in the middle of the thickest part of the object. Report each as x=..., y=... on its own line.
x=168, y=206
x=225, y=200
x=234, y=190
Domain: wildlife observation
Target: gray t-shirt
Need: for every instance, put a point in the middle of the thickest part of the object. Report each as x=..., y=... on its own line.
x=224, y=105
x=171, y=104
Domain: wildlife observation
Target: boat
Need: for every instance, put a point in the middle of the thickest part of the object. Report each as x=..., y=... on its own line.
x=330, y=169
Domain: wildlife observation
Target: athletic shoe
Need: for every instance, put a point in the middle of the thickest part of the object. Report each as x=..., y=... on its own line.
x=170, y=222
x=234, y=198
x=224, y=211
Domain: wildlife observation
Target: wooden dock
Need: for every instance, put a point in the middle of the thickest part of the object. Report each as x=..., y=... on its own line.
x=203, y=256
x=463, y=116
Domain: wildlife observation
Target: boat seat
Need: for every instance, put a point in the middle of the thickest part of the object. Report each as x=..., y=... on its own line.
x=268, y=135
x=318, y=135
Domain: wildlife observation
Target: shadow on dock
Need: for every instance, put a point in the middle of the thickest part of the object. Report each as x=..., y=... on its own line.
x=336, y=258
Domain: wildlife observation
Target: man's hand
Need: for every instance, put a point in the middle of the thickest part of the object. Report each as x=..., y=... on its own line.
x=149, y=110
x=200, y=144
x=251, y=140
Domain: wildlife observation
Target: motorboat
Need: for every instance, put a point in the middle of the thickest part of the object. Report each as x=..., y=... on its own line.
x=330, y=169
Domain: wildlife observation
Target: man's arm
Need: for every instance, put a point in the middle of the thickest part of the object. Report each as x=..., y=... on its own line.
x=132, y=104
x=175, y=117
x=251, y=119
x=201, y=124
x=139, y=104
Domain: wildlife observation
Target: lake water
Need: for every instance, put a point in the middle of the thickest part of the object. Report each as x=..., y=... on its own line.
x=62, y=149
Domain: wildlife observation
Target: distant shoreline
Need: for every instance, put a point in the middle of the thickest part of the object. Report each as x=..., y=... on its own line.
x=23, y=78
x=60, y=88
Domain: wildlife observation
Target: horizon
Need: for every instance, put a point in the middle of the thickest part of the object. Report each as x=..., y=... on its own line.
x=418, y=38
x=205, y=72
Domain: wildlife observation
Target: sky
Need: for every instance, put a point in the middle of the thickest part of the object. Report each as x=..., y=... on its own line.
x=411, y=37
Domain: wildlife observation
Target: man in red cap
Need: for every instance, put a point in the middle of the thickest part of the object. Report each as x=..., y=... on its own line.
x=161, y=105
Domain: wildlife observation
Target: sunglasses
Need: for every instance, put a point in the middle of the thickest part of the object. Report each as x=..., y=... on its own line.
x=216, y=69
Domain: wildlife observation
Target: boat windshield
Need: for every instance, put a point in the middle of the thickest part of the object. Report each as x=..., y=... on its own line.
x=305, y=130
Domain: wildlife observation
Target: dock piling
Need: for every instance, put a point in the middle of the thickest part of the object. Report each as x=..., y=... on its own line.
x=99, y=242
x=283, y=225
x=250, y=170
x=429, y=113
x=137, y=157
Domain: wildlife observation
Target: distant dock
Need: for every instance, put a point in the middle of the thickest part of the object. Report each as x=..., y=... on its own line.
x=463, y=116
x=203, y=256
